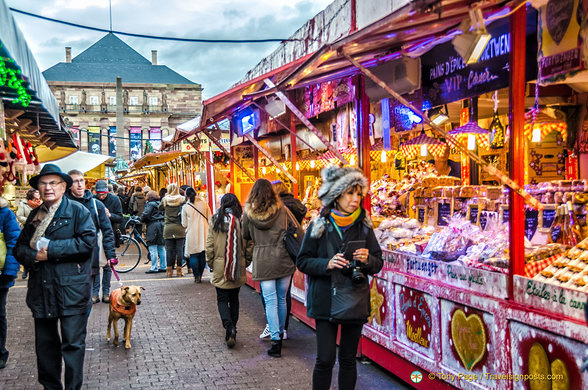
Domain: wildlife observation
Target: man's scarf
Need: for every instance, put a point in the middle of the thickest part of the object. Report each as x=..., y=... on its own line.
x=233, y=249
x=45, y=220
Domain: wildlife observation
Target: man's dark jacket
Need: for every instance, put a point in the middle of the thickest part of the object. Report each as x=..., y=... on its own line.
x=102, y=224
x=61, y=285
x=114, y=206
x=294, y=205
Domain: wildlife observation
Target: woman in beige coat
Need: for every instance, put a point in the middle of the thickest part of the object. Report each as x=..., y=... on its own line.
x=225, y=255
x=195, y=217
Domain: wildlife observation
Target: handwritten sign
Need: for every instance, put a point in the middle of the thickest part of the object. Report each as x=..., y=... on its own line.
x=451, y=273
x=548, y=218
x=555, y=299
x=446, y=78
x=531, y=222
x=505, y=214
x=416, y=316
x=443, y=214
x=474, y=214
x=483, y=219
x=421, y=214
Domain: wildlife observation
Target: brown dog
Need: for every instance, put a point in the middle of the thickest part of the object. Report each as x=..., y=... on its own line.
x=123, y=304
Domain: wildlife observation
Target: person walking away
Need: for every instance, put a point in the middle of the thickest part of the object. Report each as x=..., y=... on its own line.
x=113, y=209
x=10, y=231
x=124, y=200
x=137, y=202
x=56, y=245
x=173, y=231
x=152, y=217
x=264, y=222
x=298, y=211
x=195, y=217
x=225, y=255
x=342, y=222
x=32, y=201
x=105, y=235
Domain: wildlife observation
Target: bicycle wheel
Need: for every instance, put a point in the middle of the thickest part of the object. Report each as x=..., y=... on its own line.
x=128, y=254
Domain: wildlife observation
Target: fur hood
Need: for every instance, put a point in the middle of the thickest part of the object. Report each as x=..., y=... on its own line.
x=336, y=180
x=264, y=220
x=173, y=200
x=319, y=225
x=4, y=202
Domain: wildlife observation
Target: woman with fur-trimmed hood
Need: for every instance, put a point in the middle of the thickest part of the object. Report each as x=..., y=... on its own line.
x=174, y=233
x=265, y=222
x=338, y=291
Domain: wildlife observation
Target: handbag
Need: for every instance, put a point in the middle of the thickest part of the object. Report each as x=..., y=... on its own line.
x=349, y=302
x=292, y=238
x=3, y=251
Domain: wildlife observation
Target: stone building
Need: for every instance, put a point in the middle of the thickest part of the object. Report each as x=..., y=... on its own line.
x=155, y=98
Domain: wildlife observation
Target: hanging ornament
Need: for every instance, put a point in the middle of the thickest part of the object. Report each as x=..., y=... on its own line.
x=496, y=129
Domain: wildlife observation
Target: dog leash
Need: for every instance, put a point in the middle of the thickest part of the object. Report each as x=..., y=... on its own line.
x=112, y=263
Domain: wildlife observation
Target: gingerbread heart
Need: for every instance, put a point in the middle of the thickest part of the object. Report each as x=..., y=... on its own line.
x=558, y=15
x=540, y=368
x=469, y=338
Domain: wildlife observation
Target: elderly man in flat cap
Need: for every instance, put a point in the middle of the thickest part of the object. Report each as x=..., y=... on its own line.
x=56, y=247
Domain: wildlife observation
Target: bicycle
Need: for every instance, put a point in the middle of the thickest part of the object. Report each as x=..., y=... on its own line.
x=129, y=252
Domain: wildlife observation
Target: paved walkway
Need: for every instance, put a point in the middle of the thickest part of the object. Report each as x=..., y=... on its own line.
x=178, y=343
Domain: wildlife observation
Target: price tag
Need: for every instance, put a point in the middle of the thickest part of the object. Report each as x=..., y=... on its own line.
x=443, y=214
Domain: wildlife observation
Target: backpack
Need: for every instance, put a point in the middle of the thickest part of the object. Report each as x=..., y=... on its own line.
x=292, y=239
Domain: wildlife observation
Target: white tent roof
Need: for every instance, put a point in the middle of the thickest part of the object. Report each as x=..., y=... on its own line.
x=190, y=125
x=81, y=161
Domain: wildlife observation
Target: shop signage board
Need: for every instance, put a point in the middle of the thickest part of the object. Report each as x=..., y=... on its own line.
x=327, y=96
x=538, y=353
x=446, y=78
x=482, y=281
x=549, y=297
x=417, y=320
x=560, y=43
x=94, y=144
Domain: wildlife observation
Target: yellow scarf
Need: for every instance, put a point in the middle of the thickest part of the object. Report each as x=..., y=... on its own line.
x=344, y=221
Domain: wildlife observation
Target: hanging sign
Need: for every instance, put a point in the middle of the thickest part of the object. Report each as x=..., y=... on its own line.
x=446, y=78
x=135, y=143
x=112, y=141
x=94, y=144
x=560, y=39
x=155, y=138
x=327, y=96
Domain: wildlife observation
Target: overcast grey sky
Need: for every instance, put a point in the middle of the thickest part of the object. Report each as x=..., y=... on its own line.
x=216, y=66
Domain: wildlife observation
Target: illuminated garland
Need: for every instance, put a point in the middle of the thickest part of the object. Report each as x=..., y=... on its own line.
x=11, y=79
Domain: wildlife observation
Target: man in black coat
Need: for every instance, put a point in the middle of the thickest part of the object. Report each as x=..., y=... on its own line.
x=79, y=193
x=113, y=209
x=55, y=245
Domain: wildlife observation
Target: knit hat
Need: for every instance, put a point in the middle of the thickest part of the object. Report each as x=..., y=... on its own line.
x=336, y=180
x=101, y=187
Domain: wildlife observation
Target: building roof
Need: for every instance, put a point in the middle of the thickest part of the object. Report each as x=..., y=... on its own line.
x=111, y=57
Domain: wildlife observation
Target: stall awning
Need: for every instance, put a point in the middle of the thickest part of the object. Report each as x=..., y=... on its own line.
x=25, y=88
x=81, y=161
x=156, y=158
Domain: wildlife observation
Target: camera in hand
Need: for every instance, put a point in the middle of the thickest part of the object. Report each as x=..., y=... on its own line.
x=353, y=269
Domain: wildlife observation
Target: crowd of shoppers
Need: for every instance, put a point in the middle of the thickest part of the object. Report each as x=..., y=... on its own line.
x=69, y=235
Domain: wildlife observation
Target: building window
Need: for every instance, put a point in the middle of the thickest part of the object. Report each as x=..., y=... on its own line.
x=113, y=100
x=153, y=100
x=134, y=100
x=73, y=99
x=94, y=100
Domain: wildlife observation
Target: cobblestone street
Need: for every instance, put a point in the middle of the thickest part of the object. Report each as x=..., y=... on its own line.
x=178, y=342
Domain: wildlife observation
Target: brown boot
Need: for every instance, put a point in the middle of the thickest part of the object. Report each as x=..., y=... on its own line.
x=189, y=270
x=179, y=271
x=170, y=272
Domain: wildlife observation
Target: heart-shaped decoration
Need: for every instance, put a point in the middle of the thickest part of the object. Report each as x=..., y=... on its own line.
x=540, y=368
x=469, y=338
x=558, y=15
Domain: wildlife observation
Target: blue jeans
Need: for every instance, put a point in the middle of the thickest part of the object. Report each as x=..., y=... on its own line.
x=274, y=294
x=156, y=251
x=198, y=263
x=106, y=275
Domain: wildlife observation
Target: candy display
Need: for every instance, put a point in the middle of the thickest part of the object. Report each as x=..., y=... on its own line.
x=396, y=232
x=570, y=270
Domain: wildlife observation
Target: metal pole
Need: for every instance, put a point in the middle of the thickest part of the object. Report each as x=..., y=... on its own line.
x=362, y=105
x=293, y=156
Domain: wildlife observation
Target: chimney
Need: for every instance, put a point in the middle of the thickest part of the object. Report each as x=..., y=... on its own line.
x=154, y=57
x=68, y=54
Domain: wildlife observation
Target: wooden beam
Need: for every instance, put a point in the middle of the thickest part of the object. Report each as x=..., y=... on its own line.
x=491, y=170
x=271, y=158
x=306, y=122
x=221, y=147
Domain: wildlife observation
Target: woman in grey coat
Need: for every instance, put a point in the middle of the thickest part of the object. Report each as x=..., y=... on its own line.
x=265, y=221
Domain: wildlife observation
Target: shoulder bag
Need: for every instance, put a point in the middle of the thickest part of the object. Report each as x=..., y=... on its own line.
x=292, y=238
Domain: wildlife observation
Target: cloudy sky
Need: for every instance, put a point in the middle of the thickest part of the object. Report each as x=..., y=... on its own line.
x=216, y=66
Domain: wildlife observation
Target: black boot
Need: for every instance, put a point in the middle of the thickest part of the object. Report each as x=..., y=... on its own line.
x=276, y=349
x=231, y=336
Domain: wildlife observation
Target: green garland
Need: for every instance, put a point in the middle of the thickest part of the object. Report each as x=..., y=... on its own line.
x=11, y=78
